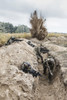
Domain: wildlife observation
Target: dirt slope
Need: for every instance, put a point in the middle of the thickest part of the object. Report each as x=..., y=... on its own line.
x=57, y=90
x=16, y=85
x=50, y=91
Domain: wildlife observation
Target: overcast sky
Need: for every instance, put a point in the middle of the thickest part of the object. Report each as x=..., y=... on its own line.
x=18, y=12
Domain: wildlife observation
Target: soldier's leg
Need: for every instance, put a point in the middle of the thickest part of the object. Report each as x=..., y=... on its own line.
x=38, y=59
x=44, y=68
x=41, y=58
x=50, y=77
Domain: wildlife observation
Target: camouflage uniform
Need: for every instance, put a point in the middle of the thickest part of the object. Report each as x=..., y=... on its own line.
x=49, y=64
x=38, y=54
x=29, y=42
x=11, y=40
x=39, y=51
x=26, y=67
x=43, y=49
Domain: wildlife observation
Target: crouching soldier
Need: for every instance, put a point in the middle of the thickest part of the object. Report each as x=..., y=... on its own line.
x=26, y=67
x=49, y=67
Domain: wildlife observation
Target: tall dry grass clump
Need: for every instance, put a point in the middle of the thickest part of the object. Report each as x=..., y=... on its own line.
x=38, y=29
x=4, y=37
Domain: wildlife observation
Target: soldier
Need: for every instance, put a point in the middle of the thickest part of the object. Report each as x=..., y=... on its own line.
x=43, y=49
x=26, y=67
x=39, y=51
x=49, y=64
x=29, y=42
x=11, y=40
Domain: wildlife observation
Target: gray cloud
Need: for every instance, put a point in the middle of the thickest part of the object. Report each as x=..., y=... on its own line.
x=18, y=12
x=57, y=24
x=51, y=8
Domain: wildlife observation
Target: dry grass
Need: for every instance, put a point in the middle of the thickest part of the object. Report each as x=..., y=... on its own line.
x=5, y=36
x=56, y=34
x=60, y=41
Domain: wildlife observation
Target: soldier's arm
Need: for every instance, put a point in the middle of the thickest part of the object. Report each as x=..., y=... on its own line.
x=49, y=68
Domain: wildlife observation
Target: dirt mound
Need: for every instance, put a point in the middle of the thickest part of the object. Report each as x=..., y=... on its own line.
x=17, y=85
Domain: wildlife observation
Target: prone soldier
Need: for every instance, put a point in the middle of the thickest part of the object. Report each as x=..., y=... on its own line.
x=11, y=40
x=29, y=42
x=26, y=67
